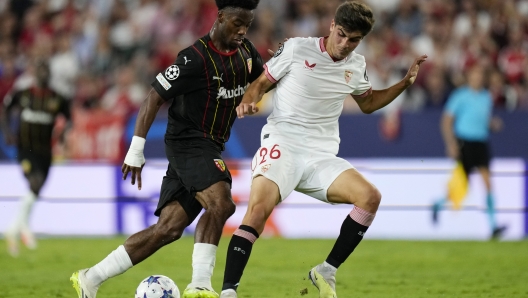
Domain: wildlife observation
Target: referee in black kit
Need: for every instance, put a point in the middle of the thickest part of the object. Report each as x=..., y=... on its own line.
x=206, y=83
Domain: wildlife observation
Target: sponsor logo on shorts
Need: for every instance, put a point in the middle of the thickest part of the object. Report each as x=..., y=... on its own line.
x=220, y=164
x=161, y=79
x=265, y=168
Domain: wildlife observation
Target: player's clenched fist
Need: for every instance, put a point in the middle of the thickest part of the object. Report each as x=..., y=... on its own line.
x=246, y=109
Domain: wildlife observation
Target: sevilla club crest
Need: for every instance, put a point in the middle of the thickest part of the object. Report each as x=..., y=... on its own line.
x=220, y=164
x=348, y=76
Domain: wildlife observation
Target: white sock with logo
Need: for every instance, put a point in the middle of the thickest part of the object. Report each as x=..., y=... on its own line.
x=117, y=262
x=22, y=219
x=203, y=262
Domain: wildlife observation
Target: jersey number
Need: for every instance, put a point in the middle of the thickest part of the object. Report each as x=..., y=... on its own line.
x=274, y=153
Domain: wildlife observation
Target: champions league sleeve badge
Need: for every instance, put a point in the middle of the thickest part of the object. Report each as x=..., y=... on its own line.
x=279, y=51
x=172, y=72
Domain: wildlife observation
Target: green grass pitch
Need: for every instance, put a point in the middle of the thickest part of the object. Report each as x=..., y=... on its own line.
x=278, y=268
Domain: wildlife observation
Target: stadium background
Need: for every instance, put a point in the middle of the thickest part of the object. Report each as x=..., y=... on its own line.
x=104, y=54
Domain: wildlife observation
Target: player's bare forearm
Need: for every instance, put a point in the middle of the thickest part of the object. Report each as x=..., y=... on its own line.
x=446, y=126
x=257, y=89
x=378, y=99
x=248, y=105
x=147, y=113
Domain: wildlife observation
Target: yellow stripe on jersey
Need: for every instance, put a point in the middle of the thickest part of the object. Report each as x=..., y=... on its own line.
x=245, y=66
x=234, y=98
x=219, y=85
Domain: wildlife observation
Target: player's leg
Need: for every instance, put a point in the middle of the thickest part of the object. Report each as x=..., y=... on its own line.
x=349, y=187
x=276, y=172
x=138, y=247
x=219, y=206
x=204, y=173
x=176, y=210
x=496, y=230
x=264, y=196
x=35, y=170
x=481, y=160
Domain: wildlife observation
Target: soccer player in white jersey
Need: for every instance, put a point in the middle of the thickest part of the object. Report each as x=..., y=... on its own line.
x=300, y=141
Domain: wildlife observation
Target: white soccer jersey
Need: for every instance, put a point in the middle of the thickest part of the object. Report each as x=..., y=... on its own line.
x=311, y=90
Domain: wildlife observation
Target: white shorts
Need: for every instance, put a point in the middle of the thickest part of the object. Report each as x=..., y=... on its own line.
x=292, y=166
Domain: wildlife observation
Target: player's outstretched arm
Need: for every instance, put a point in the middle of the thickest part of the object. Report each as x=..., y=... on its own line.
x=380, y=98
x=448, y=134
x=254, y=93
x=135, y=159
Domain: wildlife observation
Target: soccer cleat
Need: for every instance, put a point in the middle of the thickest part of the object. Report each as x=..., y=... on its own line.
x=229, y=293
x=12, y=244
x=436, y=211
x=326, y=287
x=498, y=232
x=28, y=238
x=84, y=288
x=199, y=292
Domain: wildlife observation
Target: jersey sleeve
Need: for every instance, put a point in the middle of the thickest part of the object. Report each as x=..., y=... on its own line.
x=280, y=64
x=182, y=76
x=453, y=103
x=364, y=86
x=258, y=64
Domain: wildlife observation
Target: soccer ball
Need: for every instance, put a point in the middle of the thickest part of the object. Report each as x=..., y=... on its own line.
x=157, y=286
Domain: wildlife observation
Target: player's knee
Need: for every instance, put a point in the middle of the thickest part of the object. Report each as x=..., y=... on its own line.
x=373, y=197
x=169, y=232
x=223, y=208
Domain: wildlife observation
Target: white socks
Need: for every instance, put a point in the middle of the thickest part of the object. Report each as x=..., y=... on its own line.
x=329, y=269
x=203, y=262
x=115, y=263
x=118, y=261
x=22, y=219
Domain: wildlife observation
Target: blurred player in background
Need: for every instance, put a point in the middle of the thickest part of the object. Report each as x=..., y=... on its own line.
x=300, y=141
x=465, y=125
x=206, y=83
x=36, y=108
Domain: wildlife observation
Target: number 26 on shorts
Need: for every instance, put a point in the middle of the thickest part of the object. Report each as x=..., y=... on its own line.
x=265, y=155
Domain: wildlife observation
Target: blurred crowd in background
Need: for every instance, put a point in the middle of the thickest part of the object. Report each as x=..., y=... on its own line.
x=104, y=54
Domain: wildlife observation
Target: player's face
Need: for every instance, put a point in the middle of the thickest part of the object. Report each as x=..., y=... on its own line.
x=234, y=26
x=42, y=74
x=341, y=43
x=476, y=77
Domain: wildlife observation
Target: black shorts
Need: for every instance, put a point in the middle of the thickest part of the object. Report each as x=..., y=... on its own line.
x=474, y=155
x=194, y=165
x=34, y=163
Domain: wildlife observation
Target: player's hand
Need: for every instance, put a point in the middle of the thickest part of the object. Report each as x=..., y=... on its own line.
x=496, y=124
x=272, y=53
x=410, y=77
x=246, y=109
x=134, y=162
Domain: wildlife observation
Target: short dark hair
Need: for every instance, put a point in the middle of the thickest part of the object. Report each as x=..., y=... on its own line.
x=245, y=4
x=355, y=16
